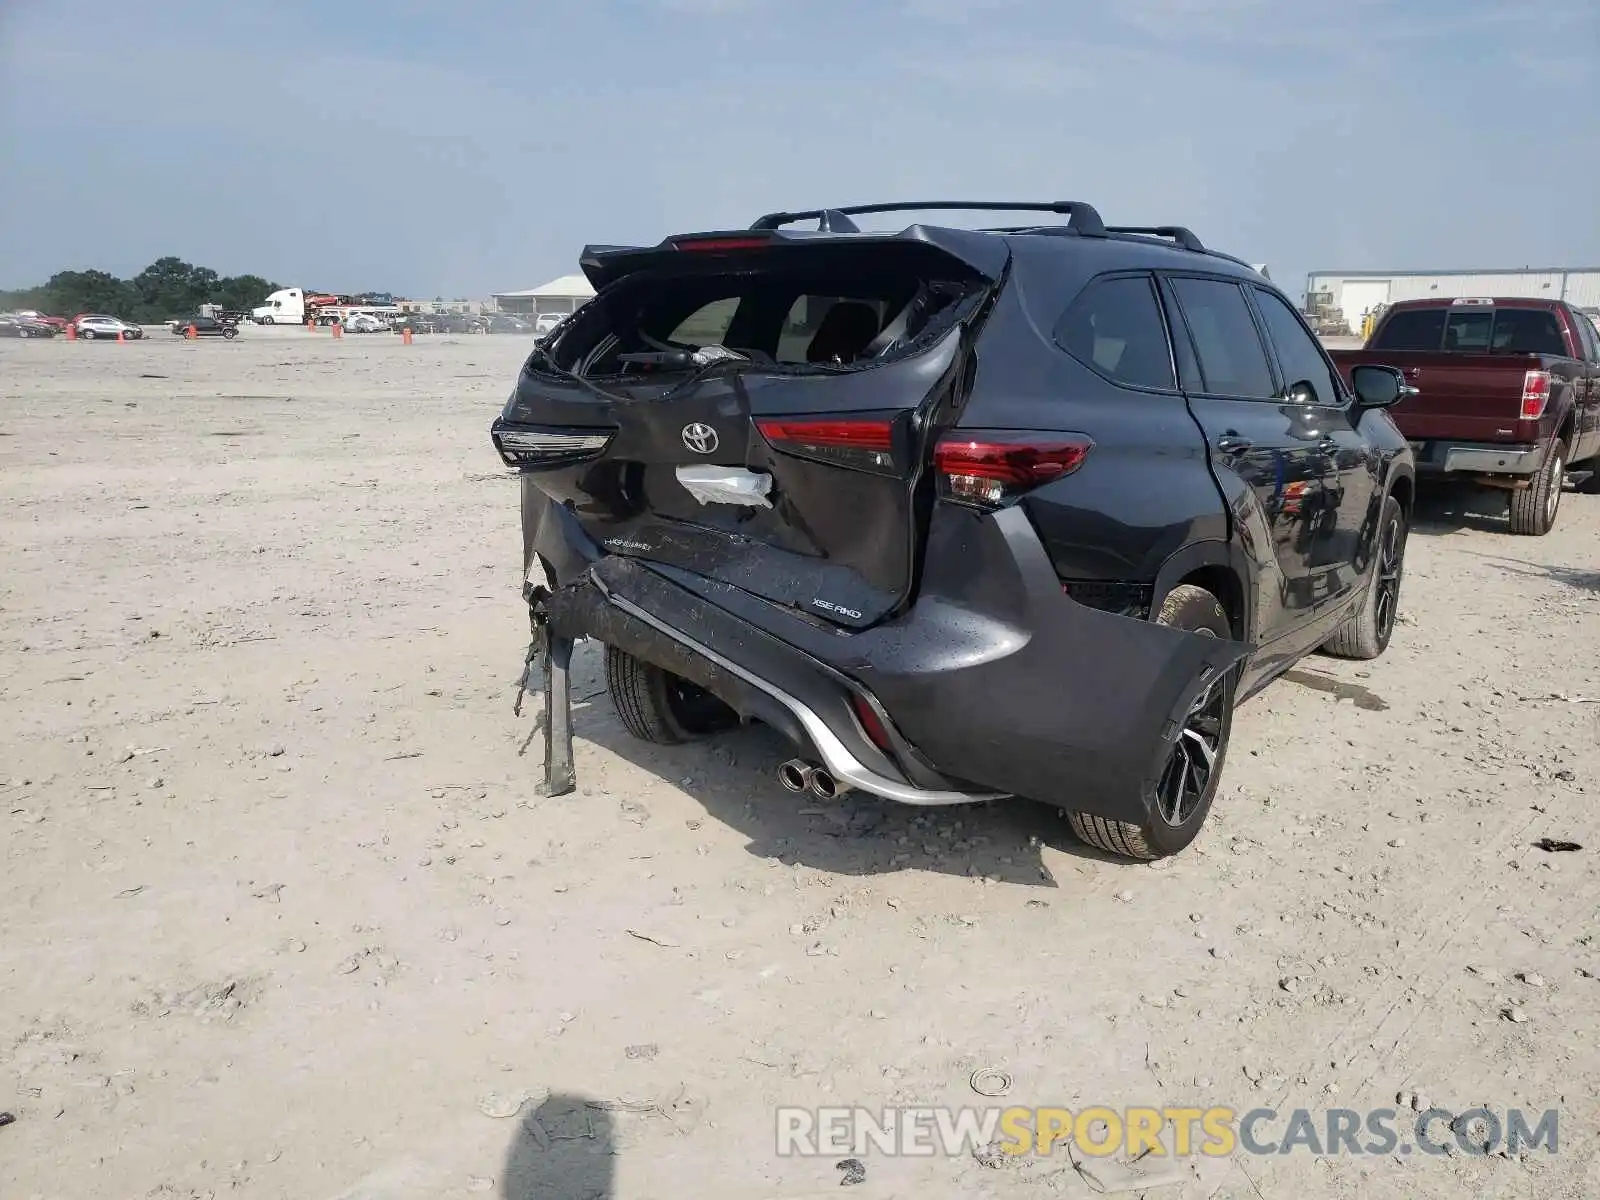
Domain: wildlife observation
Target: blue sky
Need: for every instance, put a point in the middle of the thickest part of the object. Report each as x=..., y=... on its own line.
x=467, y=146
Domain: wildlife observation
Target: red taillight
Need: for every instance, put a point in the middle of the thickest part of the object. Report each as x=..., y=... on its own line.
x=1535, y=394
x=723, y=245
x=863, y=445
x=870, y=723
x=988, y=468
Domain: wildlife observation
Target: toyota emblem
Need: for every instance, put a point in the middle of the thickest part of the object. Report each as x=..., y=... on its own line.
x=700, y=437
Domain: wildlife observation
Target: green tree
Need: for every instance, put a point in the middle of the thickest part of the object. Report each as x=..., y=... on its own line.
x=167, y=288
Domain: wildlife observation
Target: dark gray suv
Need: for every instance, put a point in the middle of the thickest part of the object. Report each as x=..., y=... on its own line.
x=963, y=513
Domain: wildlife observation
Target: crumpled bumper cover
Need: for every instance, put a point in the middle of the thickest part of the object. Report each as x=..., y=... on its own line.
x=998, y=679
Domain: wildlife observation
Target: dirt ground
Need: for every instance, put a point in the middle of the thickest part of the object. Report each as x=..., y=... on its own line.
x=281, y=914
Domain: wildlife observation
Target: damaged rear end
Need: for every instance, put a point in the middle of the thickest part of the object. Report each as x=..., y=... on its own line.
x=749, y=462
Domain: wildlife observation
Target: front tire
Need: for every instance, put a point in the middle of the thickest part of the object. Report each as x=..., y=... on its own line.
x=1533, y=509
x=657, y=706
x=1193, y=773
x=1366, y=632
x=88, y=335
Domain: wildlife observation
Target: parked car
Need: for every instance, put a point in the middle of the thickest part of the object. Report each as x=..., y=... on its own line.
x=364, y=323
x=506, y=323
x=204, y=326
x=57, y=324
x=1508, y=395
x=455, y=323
x=97, y=325
x=416, y=322
x=546, y=322
x=18, y=325
x=1018, y=512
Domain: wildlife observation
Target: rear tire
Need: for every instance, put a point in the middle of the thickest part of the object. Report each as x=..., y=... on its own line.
x=657, y=706
x=87, y=335
x=1533, y=509
x=1366, y=632
x=1189, y=785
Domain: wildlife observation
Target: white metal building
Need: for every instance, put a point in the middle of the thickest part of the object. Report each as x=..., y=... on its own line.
x=559, y=296
x=1357, y=292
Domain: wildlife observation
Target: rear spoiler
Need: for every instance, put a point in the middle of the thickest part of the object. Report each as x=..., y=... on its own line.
x=983, y=254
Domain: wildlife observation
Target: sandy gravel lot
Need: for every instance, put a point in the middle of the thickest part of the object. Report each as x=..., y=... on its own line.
x=281, y=914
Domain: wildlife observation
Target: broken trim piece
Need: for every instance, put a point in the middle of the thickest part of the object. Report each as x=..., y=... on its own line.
x=840, y=762
x=726, y=485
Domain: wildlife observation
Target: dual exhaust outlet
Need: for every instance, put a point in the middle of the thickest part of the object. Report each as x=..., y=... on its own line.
x=798, y=775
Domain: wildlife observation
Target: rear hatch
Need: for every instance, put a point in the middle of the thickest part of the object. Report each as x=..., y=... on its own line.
x=755, y=408
x=1471, y=366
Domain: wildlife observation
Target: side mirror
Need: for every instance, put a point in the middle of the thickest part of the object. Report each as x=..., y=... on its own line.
x=1379, y=387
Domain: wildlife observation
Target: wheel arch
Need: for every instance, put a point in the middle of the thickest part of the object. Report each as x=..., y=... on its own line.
x=1223, y=571
x=1403, y=487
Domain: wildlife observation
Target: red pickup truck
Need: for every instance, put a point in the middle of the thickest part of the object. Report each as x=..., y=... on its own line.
x=1508, y=395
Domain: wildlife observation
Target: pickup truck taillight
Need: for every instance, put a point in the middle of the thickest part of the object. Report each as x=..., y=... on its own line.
x=1535, y=394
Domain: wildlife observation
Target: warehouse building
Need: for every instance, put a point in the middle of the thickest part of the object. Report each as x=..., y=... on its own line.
x=559, y=296
x=1356, y=293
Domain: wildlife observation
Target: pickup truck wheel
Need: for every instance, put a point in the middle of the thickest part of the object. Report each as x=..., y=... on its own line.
x=1366, y=632
x=1194, y=768
x=657, y=706
x=1533, y=509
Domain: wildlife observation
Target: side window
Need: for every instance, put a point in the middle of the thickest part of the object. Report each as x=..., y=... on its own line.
x=1589, y=335
x=1232, y=360
x=708, y=325
x=1115, y=327
x=1299, y=354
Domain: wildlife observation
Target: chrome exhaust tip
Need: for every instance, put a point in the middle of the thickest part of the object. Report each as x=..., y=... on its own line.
x=823, y=783
x=796, y=775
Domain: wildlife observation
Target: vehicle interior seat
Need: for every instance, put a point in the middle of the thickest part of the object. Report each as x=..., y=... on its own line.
x=847, y=329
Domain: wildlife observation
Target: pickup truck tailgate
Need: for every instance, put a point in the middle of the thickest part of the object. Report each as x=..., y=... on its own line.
x=1463, y=397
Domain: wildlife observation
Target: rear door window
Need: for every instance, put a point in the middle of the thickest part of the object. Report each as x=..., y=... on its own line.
x=1299, y=354
x=708, y=325
x=1411, y=329
x=1115, y=327
x=1589, y=336
x=1232, y=360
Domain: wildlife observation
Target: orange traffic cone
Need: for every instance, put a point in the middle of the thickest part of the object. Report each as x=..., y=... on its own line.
x=120, y=339
x=311, y=326
x=190, y=333
x=338, y=330
x=72, y=333
x=405, y=337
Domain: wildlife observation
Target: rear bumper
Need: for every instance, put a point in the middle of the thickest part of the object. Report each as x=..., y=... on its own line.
x=993, y=683
x=1476, y=458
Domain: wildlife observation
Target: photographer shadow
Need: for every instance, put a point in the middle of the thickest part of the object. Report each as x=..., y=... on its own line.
x=565, y=1149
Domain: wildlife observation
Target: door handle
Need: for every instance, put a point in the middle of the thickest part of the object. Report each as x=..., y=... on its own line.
x=1232, y=443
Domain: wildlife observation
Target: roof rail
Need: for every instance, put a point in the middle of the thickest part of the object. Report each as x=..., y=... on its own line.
x=1177, y=233
x=1081, y=218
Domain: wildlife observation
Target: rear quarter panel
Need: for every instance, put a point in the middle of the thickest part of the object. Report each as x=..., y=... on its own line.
x=1144, y=492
